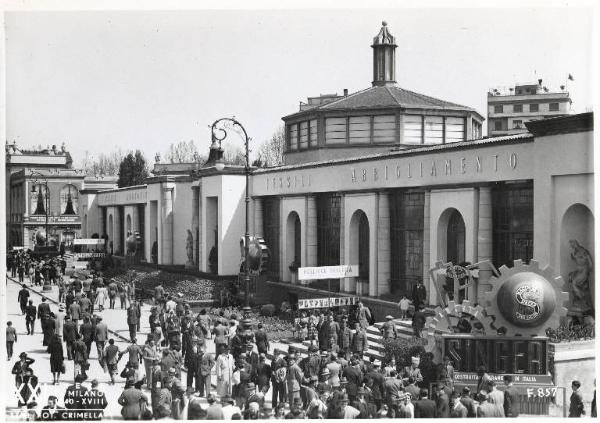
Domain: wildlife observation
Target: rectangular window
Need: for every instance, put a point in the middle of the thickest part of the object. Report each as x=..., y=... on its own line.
x=384, y=129
x=512, y=222
x=313, y=133
x=434, y=130
x=335, y=130
x=293, y=137
x=303, y=135
x=518, y=108
x=271, y=232
x=534, y=107
x=497, y=125
x=406, y=239
x=455, y=129
x=360, y=129
x=498, y=108
x=413, y=129
x=553, y=107
x=517, y=124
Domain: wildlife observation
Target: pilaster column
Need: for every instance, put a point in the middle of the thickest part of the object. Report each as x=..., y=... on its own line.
x=484, y=242
x=258, y=216
x=196, y=223
x=345, y=284
x=383, y=245
x=431, y=290
x=166, y=252
x=311, y=231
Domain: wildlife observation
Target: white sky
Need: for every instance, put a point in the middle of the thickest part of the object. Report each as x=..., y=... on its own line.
x=101, y=80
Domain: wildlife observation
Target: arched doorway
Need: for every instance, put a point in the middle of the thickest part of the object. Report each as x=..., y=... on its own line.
x=455, y=238
x=577, y=254
x=293, y=245
x=359, y=251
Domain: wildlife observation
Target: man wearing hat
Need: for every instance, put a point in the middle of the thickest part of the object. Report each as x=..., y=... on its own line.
x=100, y=336
x=335, y=370
x=262, y=372
x=424, y=407
x=355, y=379
x=296, y=411
x=468, y=402
x=312, y=363
x=412, y=371
x=30, y=315
x=346, y=411
x=388, y=330
x=278, y=378
x=485, y=408
x=375, y=381
x=366, y=409
x=294, y=379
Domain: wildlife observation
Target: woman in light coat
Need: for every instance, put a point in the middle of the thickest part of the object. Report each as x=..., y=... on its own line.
x=101, y=296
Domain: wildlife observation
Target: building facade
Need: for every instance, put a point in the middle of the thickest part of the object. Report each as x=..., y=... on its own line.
x=508, y=111
x=393, y=208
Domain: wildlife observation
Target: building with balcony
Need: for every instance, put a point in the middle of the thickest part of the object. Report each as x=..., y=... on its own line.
x=509, y=110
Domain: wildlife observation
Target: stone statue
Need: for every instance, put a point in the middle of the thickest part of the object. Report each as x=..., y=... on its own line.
x=189, y=249
x=579, y=279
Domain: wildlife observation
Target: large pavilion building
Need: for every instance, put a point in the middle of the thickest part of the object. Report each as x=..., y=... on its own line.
x=387, y=179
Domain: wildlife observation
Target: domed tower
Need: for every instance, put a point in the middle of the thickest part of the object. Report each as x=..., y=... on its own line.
x=384, y=57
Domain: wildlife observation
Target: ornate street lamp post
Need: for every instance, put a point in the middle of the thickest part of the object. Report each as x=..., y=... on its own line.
x=36, y=181
x=219, y=133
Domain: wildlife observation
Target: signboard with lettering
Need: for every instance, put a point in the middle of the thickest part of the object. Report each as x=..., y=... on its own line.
x=327, y=272
x=327, y=302
x=85, y=256
x=52, y=219
x=529, y=386
x=88, y=241
x=123, y=196
x=499, y=354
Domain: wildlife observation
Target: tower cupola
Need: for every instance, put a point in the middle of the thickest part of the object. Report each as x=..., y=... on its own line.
x=384, y=57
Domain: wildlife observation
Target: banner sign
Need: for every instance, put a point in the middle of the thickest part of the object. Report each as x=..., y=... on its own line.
x=327, y=302
x=89, y=255
x=88, y=241
x=52, y=219
x=327, y=272
x=528, y=386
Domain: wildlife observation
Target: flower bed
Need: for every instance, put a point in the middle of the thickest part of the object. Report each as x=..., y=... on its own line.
x=192, y=288
x=275, y=327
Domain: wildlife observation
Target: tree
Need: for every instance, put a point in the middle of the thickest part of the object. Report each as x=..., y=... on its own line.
x=234, y=155
x=132, y=170
x=270, y=153
x=104, y=164
x=184, y=152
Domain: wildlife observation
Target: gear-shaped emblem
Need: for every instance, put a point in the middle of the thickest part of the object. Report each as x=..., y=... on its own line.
x=446, y=318
x=525, y=299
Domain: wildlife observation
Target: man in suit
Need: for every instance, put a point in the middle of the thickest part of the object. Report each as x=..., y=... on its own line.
x=418, y=321
x=204, y=366
x=359, y=340
x=100, y=336
x=511, y=398
x=412, y=371
x=30, y=314
x=353, y=374
x=375, y=382
x=576, y=406
x=262, y=373
x=424, y=407
x=468, y=402
x=262, y=340
x=75, y=312
x=419, y=294
x=69, y=335
x=367, y=409
x=388, y=330
x=294, y=379
x=482, y=379
x=442, y=402
x=133, y=319
x=412, y=388
x=23, y=298
x=457, y=409
x=43, y=311
x=87, y=333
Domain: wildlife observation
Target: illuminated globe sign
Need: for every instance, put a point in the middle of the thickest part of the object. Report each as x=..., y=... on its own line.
x=526, y=299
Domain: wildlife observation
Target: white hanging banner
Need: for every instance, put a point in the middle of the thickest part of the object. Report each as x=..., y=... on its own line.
x=327, y=272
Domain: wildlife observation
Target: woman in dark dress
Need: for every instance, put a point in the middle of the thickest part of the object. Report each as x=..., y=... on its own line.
x=57, y=358
x=48, y=326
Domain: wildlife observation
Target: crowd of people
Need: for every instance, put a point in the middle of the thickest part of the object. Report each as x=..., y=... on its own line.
x=170, y=374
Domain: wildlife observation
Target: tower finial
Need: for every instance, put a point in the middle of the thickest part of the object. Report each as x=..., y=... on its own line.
x=384, y=66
